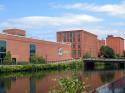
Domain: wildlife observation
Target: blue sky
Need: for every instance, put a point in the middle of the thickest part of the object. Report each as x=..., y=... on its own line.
x=43, y=18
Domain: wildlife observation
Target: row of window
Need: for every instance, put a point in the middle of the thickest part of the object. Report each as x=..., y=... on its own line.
x=33, y=50
x=75, y=45
x=71, y=37
x=76, y=52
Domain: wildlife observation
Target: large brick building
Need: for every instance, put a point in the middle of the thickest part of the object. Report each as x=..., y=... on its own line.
x=116, y=43
x=22, y=48
x=82, y=42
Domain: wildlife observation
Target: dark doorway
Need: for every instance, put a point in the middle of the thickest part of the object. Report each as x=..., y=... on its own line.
x=14, y=61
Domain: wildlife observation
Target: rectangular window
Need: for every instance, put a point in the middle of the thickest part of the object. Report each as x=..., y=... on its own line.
x=32, y=49
x=65, y=37
x=70, y=36
x=79, y=53
x=2, y=50
x=74, y=52
x=78, y=45
x=78, y=36
x=60, y=51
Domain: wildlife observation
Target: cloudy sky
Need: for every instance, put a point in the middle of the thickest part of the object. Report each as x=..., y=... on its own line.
x=43, y=18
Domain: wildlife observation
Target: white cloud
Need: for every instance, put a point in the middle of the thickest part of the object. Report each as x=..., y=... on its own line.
x=118, y=24
x=45, y=21
x=111, y=9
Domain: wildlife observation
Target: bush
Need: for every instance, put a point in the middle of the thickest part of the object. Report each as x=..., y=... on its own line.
x=86, y=55
x=70, y=86
x=37, y=59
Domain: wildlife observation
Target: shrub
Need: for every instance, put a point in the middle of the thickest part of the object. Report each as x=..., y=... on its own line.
x=37, y=59
x=70, y=86
x=41, y=59
x=86, y=55
x=7, y=59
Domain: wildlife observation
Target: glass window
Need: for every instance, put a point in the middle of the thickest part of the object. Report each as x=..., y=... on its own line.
x=65, y=37
x=32, y=49
x=79, y=53
x=74, y=52
x=78, y=36
x=60, y=51
x=70, y=36
x=2, y=50
x=78, y=45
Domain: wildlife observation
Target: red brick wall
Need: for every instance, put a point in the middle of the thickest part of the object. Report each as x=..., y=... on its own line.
x=15, y=32
x=19, y=48
x=116, y=43
x=88, y=42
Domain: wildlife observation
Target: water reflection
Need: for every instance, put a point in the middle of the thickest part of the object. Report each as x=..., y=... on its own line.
x=42, y=82
x=117, y=86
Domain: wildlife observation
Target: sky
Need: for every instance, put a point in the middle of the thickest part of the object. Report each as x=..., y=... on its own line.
x=43, y=18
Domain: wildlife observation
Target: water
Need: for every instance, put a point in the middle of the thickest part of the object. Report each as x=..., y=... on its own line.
x=43, y=82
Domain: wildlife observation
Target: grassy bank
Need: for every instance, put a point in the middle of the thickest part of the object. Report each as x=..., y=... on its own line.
x=37, y=67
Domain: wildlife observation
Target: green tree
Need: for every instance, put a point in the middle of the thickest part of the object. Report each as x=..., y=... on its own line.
x=107, y=52
x=124, y=54
x=7, y=59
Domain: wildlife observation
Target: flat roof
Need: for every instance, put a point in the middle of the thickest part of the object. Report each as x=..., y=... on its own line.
x=76, y=31
x=32, y=40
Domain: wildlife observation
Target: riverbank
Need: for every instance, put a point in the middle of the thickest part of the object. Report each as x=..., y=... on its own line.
x=37, y=67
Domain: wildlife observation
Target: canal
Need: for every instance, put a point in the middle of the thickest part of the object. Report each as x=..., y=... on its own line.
x=43, y=82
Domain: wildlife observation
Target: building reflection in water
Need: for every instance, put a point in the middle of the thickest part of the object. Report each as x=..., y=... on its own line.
x=43, y=82
x=117, y=86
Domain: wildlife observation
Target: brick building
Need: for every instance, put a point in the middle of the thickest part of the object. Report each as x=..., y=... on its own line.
x=22, y=48
x=82, y=42
x=116, y=43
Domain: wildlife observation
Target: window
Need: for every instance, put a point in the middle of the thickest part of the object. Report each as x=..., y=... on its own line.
x=70, y=36
x=60, y=51
x=74, y=46
x=74, y=52
x=78, y=36
x=32, y=49
x=79, y=53
x=78, y=45
x=2, y=51
x=65, y=37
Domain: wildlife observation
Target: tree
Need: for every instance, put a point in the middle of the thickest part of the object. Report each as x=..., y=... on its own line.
x=124, y=54
x=7, y=59
x=107, y=52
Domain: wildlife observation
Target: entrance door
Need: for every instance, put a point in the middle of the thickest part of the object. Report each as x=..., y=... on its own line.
x=14, y=61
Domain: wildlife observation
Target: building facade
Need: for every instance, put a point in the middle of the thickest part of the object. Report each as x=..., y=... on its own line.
x=100, y=44
x=82, y=42
x=21, y=48
x=116, y=43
